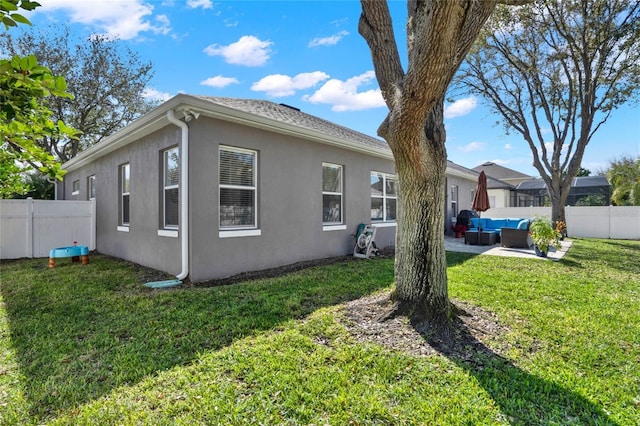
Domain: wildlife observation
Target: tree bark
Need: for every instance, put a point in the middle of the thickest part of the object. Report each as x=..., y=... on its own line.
x=421, y=270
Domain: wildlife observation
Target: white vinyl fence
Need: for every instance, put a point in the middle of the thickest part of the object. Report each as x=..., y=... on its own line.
x=619, y=223
x=31, y=228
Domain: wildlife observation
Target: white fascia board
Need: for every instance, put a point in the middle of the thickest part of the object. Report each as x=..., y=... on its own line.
x=460, y=173
x=148, y=123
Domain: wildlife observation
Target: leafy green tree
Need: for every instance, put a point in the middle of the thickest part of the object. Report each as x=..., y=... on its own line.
x=592, y=200
x=106, y=78
x=24, y=119
x=40, y=187
x=556, y=71
x=624, y=178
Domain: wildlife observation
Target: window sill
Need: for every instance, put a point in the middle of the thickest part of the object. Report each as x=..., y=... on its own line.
x=334, y=227
x=240, y=233
x=168, y=233
x=75, y=193
x=384, y=225
x=123, y=229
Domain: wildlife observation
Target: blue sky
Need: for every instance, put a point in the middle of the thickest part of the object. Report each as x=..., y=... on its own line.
x=307, y=54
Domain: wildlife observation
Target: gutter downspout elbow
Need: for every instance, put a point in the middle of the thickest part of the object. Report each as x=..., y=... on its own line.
x=184, y=193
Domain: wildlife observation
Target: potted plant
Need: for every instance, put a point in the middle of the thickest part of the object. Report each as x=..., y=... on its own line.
x=459, y=230
x=544, y=235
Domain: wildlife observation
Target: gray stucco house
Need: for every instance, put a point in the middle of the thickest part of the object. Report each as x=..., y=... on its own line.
x=210, y=187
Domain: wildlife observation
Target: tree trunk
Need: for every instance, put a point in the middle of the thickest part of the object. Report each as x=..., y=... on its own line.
x=559, y=195
x=439, y=34
x=420, y=268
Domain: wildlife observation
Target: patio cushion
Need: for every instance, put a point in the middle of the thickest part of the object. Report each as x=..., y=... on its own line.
x=495, y=224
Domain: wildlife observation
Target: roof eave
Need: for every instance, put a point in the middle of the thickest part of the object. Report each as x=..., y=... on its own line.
x=156, y=119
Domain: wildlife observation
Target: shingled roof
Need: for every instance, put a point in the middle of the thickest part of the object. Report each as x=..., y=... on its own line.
x=499, y=172
x=293, y=116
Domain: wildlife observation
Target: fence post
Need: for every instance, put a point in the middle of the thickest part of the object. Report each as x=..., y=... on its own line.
x=29, y=219
x=610, y=220
x=93, y=225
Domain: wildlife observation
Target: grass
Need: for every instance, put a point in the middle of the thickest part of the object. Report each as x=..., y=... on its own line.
x=90, y=345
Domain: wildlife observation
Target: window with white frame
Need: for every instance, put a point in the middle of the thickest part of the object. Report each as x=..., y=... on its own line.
x=170, y=187
x=75, y=187
x=331, y=194
x=125, y=188
x=238, y=188
x=454, y=200
x=91, y=187
x=383, y=197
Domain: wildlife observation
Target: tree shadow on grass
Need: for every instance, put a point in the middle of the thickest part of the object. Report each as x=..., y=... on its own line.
x=523, y=398
x=618, y=254
x=81, y=331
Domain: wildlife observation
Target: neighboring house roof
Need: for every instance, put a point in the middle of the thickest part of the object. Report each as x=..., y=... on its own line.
x=262, y=114
x=501, y=173
x=581, y=184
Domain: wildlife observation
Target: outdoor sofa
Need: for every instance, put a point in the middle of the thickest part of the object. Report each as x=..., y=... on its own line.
x=512, y=232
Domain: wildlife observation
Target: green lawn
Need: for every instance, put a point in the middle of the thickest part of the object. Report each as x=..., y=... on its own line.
x=90, y=345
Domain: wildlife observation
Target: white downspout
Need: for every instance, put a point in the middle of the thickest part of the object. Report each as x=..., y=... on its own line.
x=184, y=193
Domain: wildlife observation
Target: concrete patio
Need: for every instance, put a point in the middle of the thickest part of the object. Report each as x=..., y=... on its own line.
x=457, y=244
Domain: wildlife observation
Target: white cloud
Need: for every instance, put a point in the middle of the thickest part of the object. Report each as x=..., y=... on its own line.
x=473, y=146
x=328, y=41
x=549, y=147
x=249, y=51
x=219, y=81
x=507, y=146
x=277, y=85
x=155, y=95
x=460, y=107
x=205, y=4
x=344, y=95
x=123, y=19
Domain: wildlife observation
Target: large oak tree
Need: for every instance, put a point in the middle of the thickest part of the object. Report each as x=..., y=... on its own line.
x=105, y=77
x=555, y=71
x=439, y=35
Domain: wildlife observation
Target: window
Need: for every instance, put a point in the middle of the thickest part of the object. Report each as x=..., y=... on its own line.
x=383, y=197
x=454, y=200
x=331, y=194
x=75, y=187
x=238, y=190
x=125, y=188
x=171, y=191
x=91, y=187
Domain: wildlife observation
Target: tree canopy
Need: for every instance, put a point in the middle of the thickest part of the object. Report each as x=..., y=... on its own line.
x=624, y=178
x=24, y=119
x=106, y=78
x=555, y=71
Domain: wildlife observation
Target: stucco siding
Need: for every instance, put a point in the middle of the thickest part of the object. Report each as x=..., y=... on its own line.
x=289, y=200
x=289, y=180
x=465, y=198
x=141, y=244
